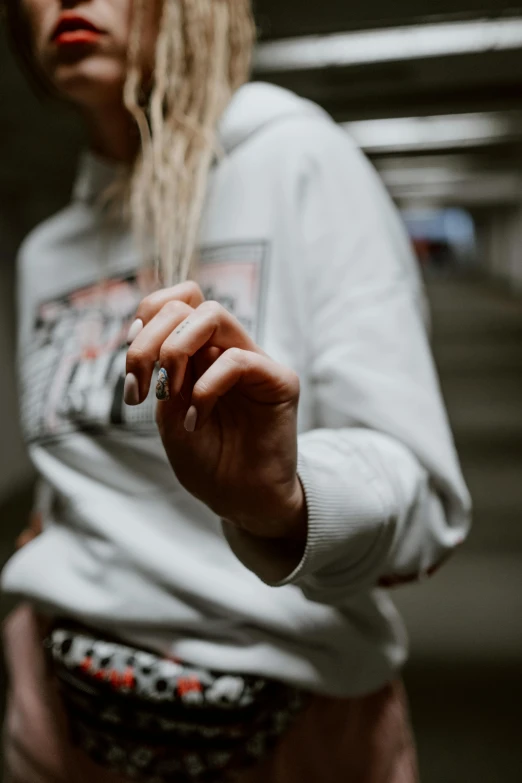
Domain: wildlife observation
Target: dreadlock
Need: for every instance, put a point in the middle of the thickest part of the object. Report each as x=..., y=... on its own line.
x=203, y=55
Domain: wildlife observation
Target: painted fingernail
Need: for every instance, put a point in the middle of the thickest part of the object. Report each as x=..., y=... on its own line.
x=191, y=419
x=162, y=386
x=134, y=331
x=131, y=390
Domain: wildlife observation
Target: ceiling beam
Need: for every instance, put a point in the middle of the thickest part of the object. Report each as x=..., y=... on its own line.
x=285, y=18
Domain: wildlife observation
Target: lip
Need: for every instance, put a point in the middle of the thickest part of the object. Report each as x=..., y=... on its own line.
x=74, y=30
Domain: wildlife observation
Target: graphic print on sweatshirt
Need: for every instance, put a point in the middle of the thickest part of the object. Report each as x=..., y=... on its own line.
x=76, y=354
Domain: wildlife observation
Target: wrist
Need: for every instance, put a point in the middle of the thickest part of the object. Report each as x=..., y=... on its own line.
x=273, y=555
x=283, y=517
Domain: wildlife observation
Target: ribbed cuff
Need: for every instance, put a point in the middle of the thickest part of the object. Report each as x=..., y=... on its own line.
x=346, y=510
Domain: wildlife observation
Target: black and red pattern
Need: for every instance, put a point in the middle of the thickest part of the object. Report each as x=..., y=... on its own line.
x=158, y=719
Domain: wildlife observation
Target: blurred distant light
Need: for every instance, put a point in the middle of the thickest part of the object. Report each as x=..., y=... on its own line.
x=388, y=45
x=415, y=185
x=454, y=226
x=436, y=132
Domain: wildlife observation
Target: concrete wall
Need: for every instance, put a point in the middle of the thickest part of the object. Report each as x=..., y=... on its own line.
x=39, y=141
x=14, y=465
x=500, y=243
x=514, y=259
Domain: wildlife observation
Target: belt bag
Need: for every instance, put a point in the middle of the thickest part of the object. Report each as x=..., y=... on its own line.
x=154, y=718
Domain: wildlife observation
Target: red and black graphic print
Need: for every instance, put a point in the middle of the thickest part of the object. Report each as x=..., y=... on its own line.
x=76, y=362
x=75, y=355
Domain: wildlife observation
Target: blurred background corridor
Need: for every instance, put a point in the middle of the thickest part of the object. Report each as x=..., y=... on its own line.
x=431, y=92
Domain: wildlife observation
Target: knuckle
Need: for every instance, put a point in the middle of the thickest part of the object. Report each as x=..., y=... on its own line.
x=295, y=385
x=149, y=306
x=169, y=354
x=137, y=357
x=212, y=308
x=201, y=390
x=175, y=308
x=235, y=355
x=194, y=290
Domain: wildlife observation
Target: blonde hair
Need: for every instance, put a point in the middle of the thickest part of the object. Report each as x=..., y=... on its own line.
x=203, y=54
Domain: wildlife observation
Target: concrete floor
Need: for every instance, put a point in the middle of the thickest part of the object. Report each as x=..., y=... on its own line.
x=466, y=624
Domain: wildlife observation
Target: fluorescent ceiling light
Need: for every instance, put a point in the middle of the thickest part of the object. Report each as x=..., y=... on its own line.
x=388, y=45
x=475, y=188
x=438, y=132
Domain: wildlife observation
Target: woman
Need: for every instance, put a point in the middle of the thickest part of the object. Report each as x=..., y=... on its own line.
x=206, y=585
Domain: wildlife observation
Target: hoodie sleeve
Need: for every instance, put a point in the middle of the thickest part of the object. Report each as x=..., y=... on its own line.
x=386, y=499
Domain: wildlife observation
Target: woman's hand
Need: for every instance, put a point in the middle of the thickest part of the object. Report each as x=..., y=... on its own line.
x=228, y=413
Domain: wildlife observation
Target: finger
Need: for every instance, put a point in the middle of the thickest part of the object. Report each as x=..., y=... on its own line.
x=145, y=349
x=204, y=359
x=208, y=326
x=264, y=380
x=188, y=292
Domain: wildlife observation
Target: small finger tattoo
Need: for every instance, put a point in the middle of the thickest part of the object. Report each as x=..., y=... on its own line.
x=183, y=326
x=162, y=386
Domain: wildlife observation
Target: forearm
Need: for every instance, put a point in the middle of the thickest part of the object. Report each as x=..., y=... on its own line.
x=373, y=515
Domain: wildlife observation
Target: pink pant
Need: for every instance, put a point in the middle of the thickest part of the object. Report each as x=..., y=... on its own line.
x=364, y=740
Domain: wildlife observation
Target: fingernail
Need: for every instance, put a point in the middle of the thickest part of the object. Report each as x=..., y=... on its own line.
x=191, y=419
x=134, y=331
x=131, y=390
x=162, y=386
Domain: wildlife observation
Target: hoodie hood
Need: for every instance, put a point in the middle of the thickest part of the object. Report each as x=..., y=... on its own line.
x=258, y=105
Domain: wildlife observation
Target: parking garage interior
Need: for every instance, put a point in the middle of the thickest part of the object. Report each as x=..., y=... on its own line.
x=431, y=93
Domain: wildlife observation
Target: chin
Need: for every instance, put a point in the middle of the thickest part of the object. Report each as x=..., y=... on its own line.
x=90, y=83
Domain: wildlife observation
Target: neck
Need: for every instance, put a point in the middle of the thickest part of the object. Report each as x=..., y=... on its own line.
x=112, y=133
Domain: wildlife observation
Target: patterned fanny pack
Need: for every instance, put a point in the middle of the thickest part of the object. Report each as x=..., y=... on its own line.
x=156, y=719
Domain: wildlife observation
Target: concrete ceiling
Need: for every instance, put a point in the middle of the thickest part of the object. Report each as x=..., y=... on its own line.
x=490, y=82
x=360, y=79
x=437, y=85
x=285, y=18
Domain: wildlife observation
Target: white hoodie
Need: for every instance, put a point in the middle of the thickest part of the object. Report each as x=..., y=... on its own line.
x=301, y=242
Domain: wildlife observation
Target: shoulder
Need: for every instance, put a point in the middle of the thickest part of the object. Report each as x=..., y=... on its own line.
x=54, y=235
x=274, y=134
x=321, y=179
x=263, y=115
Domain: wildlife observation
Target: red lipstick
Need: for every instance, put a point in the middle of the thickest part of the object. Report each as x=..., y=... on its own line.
x=74, y=30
